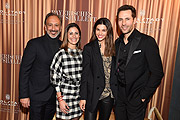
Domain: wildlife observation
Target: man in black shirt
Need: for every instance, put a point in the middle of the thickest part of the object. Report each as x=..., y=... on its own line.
x=35, y=90
x=138, y=67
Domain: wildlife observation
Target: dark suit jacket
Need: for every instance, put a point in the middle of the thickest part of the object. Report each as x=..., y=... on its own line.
x=93, y=78
x=34, y=77
x=143, y=71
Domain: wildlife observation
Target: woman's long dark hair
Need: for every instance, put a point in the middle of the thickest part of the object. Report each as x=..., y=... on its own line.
x=109, y=42
x=65, y=37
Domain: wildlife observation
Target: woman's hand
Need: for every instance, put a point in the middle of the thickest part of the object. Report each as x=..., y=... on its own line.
x=82, y=104
x=63, y=106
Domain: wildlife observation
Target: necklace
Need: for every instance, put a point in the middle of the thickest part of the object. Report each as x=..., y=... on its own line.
x=99, y=44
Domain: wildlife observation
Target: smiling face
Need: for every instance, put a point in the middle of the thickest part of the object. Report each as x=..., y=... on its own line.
x=101, y=32
x=126, y=21
x=73, y=37
x=53, y=26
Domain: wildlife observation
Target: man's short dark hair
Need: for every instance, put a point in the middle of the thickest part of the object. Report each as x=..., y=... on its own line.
x=52, y=14
x=127, y=7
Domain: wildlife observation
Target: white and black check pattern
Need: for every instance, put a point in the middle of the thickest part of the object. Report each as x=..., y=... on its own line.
x=65, y=72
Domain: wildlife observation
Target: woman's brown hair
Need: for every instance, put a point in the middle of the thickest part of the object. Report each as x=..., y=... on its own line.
x=109, y=42
x=65, y=37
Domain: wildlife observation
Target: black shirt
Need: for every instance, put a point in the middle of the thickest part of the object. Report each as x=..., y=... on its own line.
x=123, y=55
x=54, y=43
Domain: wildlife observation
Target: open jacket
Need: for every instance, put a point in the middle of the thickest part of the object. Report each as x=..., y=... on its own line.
x=143, y=70
x=34, y=76
x=93, y=78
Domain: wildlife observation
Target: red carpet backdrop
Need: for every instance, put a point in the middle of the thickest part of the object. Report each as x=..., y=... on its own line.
x=21, y=20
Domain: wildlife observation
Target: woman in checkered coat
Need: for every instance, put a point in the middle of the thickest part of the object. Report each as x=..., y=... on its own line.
x=65, y=72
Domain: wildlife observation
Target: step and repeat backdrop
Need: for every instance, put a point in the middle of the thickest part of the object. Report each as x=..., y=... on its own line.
x=21, y=20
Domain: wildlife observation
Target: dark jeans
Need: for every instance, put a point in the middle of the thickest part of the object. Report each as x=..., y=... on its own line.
x=43, y=110
x=104, y=106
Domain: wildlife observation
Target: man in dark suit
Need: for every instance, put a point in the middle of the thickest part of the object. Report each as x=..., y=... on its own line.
x=138, y=67
x=35, y=90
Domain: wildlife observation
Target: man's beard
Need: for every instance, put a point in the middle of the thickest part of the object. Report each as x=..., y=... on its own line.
x=129, y=31
x=53, y=31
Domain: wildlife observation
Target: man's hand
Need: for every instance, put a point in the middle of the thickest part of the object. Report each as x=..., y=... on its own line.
x=25, y=102
x=82, y=104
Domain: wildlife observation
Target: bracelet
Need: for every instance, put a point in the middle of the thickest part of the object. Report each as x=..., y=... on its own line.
x=60, y=98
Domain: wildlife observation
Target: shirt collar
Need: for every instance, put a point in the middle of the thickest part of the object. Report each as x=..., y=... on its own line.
x=130, y=38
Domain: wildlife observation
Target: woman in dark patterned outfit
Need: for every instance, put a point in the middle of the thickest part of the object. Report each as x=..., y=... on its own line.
x=65, y=74
x=99, y=85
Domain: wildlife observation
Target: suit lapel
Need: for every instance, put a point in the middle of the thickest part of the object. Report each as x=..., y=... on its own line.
x=98, y=56
x=134, y=44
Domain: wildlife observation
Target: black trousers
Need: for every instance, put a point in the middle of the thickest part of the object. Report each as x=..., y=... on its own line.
x=104, y=106
x=43, y=110
x=129, y=110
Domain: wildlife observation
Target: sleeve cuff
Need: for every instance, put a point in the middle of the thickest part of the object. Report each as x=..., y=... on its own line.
x=57, y=89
